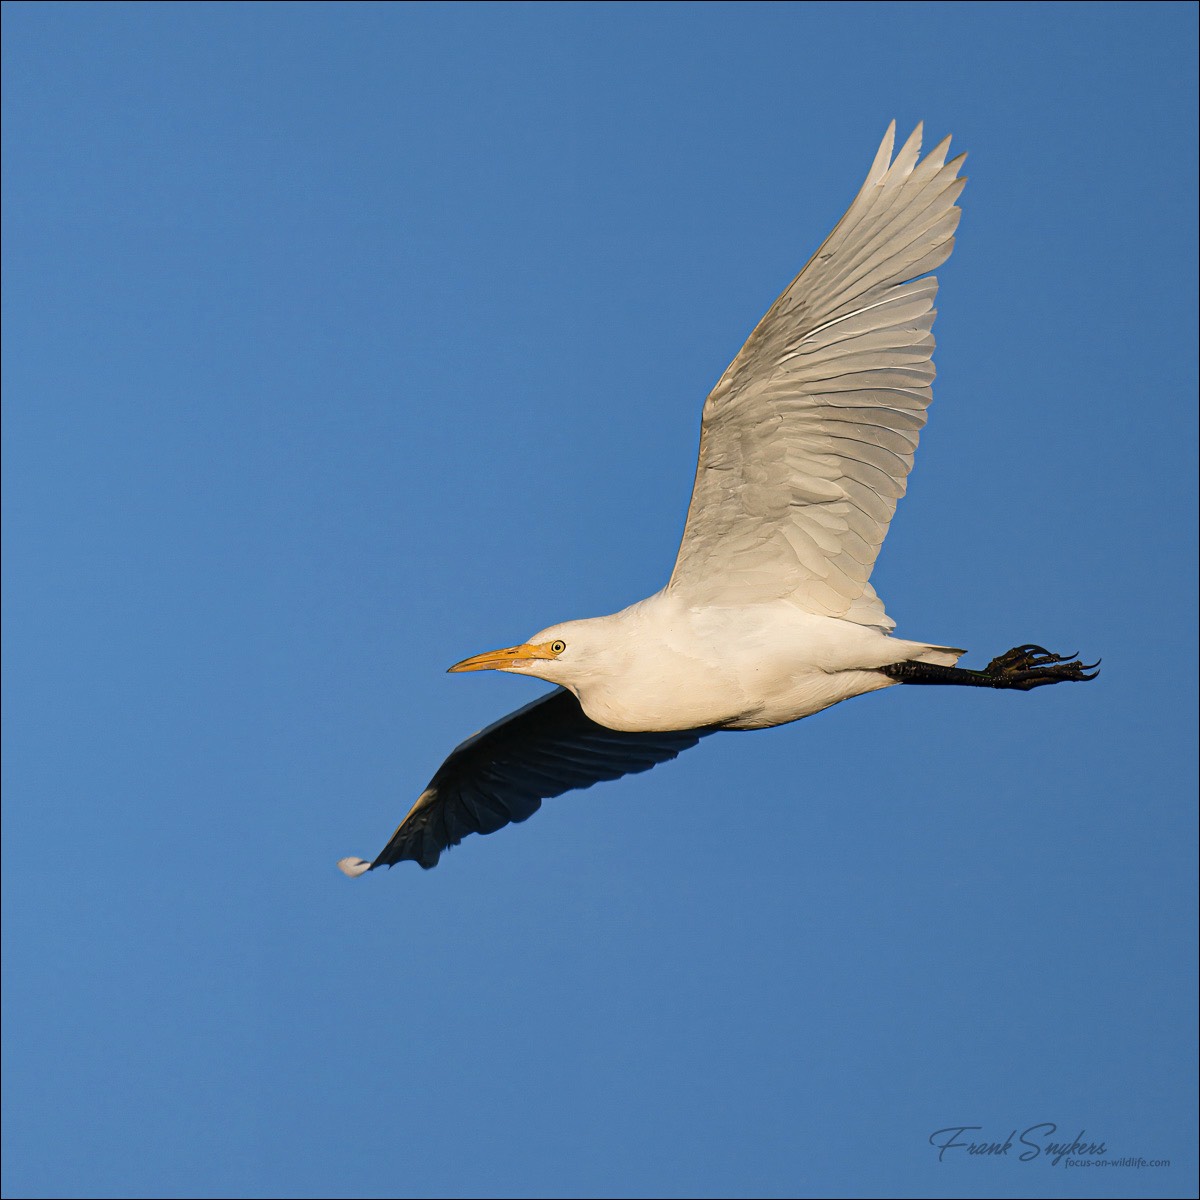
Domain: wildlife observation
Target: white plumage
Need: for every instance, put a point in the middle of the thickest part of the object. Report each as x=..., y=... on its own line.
x=808, y=437
x=805, y=448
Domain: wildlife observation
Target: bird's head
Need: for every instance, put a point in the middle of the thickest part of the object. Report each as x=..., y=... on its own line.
x=560, y=654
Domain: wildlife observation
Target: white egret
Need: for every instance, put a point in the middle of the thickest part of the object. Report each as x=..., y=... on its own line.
x=805, y=446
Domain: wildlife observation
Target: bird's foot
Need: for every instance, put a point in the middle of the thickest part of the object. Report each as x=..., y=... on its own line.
x=1026, y=667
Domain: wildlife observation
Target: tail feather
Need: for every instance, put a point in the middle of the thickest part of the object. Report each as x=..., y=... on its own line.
x=941, y=656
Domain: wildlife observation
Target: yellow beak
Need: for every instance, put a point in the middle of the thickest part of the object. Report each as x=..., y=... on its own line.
x=498, y=660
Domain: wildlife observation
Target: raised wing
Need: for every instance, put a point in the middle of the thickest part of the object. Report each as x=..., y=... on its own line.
x=504, y=773
x=808, y=438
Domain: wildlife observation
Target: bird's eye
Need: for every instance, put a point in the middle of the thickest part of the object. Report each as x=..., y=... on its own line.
x=558, y=647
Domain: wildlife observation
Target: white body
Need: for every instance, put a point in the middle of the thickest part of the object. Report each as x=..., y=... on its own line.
x=652, y=665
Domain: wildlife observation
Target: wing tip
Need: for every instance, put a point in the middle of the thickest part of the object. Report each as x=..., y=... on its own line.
x=352, y=867
x=883, y=157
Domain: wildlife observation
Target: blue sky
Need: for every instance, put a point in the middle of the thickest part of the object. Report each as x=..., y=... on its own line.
x=342, y=342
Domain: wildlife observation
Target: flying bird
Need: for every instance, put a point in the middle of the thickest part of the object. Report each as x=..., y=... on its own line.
x=769, y=616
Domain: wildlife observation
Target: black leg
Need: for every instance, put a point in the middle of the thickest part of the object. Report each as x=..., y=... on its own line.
x=1022, y=668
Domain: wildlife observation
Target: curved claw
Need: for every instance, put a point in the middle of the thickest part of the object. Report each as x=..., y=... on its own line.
x=1049, y=659
x=1030, y=666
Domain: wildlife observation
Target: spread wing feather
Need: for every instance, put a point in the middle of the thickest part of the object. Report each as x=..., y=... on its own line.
x=503, y=774
x=808, y=438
